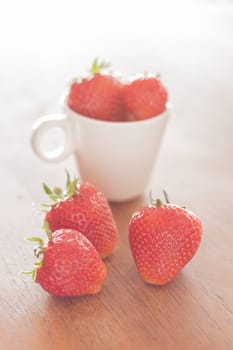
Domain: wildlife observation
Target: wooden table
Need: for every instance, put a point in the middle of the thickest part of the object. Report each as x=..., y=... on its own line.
x=191, y=44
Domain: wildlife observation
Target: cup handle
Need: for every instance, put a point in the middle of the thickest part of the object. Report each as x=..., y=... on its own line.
x=45, y=123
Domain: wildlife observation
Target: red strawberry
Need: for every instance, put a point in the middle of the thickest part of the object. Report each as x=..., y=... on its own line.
x=70, y=265
x=163, y=238
x=98, y=96
x=145, y=98
x=85, y=209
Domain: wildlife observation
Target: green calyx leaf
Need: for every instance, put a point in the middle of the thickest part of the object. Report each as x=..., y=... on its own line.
x=46, y=228
x=32, y=273
x=52, y=195
x=46, y=205
x=38, y=252
x=98, y=66
x=39, y=264
x=36, y=239
x=56, y=195
x=39, y=248
x=58, y=192
x=71, y=186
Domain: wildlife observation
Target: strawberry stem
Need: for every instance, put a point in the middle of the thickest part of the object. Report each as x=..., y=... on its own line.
x=158, y=202
x=166, y=197
x=155, y=202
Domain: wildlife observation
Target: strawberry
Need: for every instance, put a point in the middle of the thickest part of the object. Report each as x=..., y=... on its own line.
x=163, y=239
x=98, y=96
x=70, y=265
x=145, y=98
x=85, y=209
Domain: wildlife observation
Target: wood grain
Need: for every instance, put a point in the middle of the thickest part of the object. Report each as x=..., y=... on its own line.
x=194, y=165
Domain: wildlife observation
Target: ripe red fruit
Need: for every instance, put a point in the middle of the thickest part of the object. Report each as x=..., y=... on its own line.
x=145, y=98
x=99, y=96
x=163, y=239
x=85, y=209
x=70, y=265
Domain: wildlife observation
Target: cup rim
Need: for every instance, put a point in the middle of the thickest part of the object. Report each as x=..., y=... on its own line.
x=63, y=102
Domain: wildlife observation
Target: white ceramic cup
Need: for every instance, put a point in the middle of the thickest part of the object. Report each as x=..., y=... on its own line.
x=116, y=157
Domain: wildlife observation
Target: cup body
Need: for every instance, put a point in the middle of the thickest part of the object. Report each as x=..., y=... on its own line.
x=116, y=157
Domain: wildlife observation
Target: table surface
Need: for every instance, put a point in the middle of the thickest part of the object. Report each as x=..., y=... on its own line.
x=193, y=49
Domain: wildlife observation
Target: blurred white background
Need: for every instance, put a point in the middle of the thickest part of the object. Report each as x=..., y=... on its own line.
x=47, y=41
x=44, y=44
